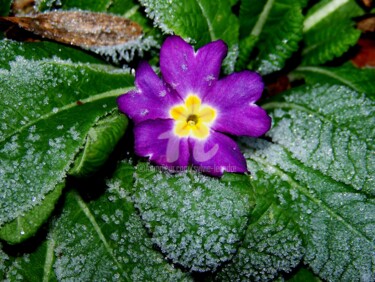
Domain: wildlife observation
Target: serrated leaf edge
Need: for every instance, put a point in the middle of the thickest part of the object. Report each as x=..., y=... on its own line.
x=305, y=192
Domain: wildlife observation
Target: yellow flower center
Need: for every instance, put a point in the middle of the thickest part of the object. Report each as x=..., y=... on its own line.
x=192, y=118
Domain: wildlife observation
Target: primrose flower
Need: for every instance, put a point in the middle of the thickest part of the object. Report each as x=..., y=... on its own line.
x=182, y=119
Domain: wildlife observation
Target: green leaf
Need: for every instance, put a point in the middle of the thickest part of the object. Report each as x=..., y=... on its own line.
x=24, y=227
x=34, y=266
x=100, y=142
x=5, y=7
x=277, y=27
x=272, y=244
x=113, y=244
x=318, y=173
x=101, y=240
x=329, y=30
x=246, y=46
x=360, y=80
x=198, y=21
x=197, y=221
x=48, y=107
x=338, y=142
x=11, y=50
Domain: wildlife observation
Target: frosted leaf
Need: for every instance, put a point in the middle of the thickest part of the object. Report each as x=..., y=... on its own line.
x=272, y=244
x=330, y=129
x=27, y=225
x=35, y=266
x=197, y=221
x=105, y=241
x=39, y=143
x=332, y=215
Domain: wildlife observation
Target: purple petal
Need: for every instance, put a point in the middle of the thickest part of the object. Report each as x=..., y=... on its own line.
x=216, y=154
x=188, y=71
x=234, y=98
x=155, y=139
x=145, y=102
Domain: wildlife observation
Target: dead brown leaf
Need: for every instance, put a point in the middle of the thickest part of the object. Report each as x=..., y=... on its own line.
x=367, y=24
x=367, y=3
x=79, y=28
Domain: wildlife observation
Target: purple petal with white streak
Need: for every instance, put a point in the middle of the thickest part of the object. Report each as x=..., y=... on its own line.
x=216, y=154
x=144, y=103
x=155, y=139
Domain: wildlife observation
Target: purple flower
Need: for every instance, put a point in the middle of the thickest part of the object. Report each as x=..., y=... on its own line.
x=182, y=119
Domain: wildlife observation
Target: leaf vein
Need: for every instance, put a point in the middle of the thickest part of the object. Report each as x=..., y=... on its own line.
x=258, y=27
x=49, y=260
x=316, y=201
x=104, y=95
x=97, y=229
x=330, y=74
x=323, y=12
x=209, y=24
x=275, y=105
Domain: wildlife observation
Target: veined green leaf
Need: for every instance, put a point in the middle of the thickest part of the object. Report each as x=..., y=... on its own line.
x=272, y=244
x=113, y=244
x=360, y=80
x=35, y=266
x=338, y=142
x=319, y=174
x=47, y=108
x=276, y=25
x=197, y=221
x=329, y=30
x=101, y=240
x=199, y=21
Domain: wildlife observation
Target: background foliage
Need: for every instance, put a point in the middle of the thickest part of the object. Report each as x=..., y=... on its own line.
x=76, y=204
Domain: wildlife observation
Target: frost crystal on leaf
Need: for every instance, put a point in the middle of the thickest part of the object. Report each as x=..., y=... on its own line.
x=197, y=221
